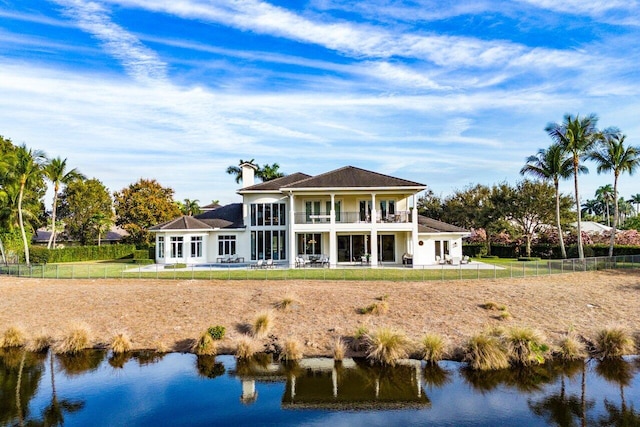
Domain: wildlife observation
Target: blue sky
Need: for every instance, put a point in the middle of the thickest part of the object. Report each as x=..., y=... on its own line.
x=447, y=93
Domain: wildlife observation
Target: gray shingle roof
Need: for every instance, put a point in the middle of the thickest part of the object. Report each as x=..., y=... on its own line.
x=276, y=184
x=352, y=177
x=181, y=223
x=430, y=225
x=229, y=216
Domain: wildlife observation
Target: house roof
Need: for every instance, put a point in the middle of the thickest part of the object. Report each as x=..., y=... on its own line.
x=210, y=206
x=276, y=184
x=592, y=227
x=114, y=234
x=229, y=216
x=181, y=223
x=430, y=225
x=351, y=177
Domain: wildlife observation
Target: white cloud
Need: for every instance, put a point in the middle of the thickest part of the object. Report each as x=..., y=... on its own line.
x=140, y=62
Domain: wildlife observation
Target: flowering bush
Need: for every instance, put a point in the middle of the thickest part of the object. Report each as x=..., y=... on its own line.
x=478, y=235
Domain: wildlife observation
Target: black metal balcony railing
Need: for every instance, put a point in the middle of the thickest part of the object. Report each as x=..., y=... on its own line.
x=401, y=217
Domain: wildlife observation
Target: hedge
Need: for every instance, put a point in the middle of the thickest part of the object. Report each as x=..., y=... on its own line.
x=547, y=251
x=41, y=255
x=141, y=254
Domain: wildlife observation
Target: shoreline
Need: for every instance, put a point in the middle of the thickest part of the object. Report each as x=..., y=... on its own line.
x=171, y=314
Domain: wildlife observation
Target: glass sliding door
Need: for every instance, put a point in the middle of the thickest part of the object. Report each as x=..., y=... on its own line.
x=387, y=248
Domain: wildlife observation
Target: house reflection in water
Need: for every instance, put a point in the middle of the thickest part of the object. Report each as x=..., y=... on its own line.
x=324, y=384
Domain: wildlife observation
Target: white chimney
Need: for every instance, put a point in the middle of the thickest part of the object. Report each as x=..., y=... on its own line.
x=248, y=174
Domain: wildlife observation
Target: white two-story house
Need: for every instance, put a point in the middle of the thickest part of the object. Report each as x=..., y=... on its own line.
x=346, y=216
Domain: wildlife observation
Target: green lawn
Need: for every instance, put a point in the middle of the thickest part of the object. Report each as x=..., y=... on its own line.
x=502, y=268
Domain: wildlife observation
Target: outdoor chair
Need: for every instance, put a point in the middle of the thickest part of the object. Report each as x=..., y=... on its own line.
x=234, y=259
x=465, y=260
x=258, y=264
x=225, y=259
x=269, y=264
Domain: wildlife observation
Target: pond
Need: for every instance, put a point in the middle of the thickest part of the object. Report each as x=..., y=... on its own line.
x=144, y=388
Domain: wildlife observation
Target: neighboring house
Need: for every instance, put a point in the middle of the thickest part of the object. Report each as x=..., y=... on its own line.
x=591, y=227
x=114, y=235
x=349, y=215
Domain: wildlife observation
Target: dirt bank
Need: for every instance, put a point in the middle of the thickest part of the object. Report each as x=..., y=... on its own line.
x=172, y=312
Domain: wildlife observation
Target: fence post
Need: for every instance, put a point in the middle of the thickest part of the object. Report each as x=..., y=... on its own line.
x=478, y=270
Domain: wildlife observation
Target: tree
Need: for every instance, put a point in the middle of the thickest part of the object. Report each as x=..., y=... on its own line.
x=635, y=199
x=237, y=170
x=268, y=172
x=592, y=207
x=604, y=195
x=189, y=207
x=612, y=155
x=551, y=164
x=56, y=172
x=532, y=205
x=81, y=202
x=101, y=222
x=430, y=205
x=27, y=171
x=141, y=205
x=576, y=136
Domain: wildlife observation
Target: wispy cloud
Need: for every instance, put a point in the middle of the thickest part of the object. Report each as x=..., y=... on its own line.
x=140, y=62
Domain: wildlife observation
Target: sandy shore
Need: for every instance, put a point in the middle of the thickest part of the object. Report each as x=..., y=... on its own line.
x=173, y=312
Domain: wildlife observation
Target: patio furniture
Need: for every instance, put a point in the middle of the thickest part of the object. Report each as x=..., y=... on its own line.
x=269, y=264
x=259, y=264
x=300, y=262
x=455, y=260
x=465, y=260
x=407, y=259
x=224, y=259
x=324, y=261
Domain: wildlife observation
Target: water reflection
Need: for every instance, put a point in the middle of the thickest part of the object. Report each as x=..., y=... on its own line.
x=20, y=375
x=95, y=383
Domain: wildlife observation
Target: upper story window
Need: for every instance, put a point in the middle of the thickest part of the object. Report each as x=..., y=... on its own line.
x=268, y=214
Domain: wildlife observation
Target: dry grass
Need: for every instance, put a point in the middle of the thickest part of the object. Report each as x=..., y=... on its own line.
x=490, y=305
x=13, y=337
x=262, y=324
x=160, y=347
x=339, y=350
x=613, y=343
x=504, y=315
x=485, y=352
x=172, y=311
x=571, y=348
x=205, y=345
x=120, y=343
x=433, y=348
x=246, y=347
x=378, y=308
x=291, y=351
x=386, y=346
x=526, y=346
x=285, y=303
x=75, y=340
x=39, y=344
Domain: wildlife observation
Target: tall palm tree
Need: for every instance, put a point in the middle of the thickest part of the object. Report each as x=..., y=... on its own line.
x=269, y=172
x=635, y=199
x=551, y=164
x=56, y=171
x=613, y=156
x=591, y=207
x=26, y=170
x=237, y=170
x=604, y=194
x=190, y=207
x=576, y=135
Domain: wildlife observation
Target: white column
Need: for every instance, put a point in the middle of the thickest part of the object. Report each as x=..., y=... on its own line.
x=414, y=234
x=333, y=239
x=374, y=233
x=292, y=235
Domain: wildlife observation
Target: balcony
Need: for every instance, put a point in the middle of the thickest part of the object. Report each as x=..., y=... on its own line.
x=401, y=217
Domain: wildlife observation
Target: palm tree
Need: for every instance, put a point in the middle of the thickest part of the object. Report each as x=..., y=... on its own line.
x=237, y=170
x=56, y=172
x=591, y=207
x=551, y=165
x=102, y=223
x=27, y=168
x=604, y=194
x=612, y=156
x=576, y=136
x=269, y=172
x=190, y=207
x=635, y=199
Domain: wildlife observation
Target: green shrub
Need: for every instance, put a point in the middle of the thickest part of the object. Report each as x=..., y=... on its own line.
x=141, y=254
x=39, y=255
x=143, y=261
x=572, y=251
x=528, y=258
x=217, y=332
x=91, y=253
